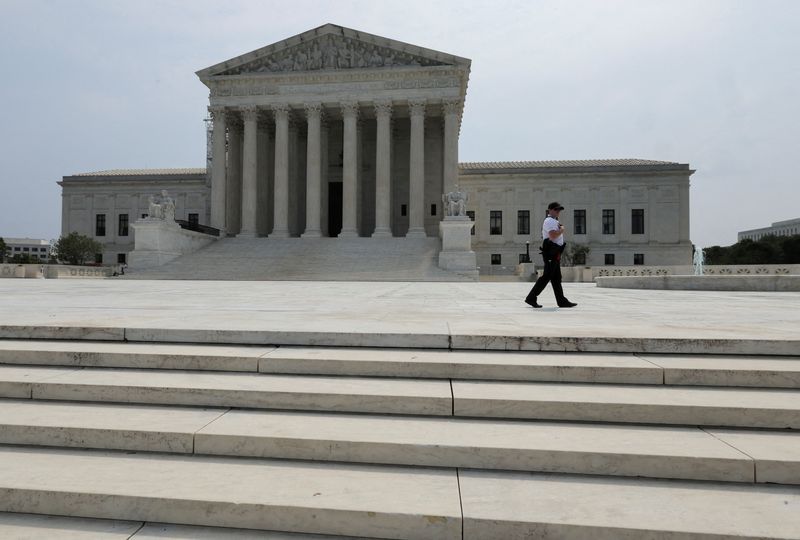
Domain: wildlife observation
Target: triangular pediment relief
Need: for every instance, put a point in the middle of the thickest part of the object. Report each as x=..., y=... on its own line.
x=332, y=47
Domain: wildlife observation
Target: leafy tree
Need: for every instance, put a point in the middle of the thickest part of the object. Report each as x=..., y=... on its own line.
x=770, y=249
x=76, y=248
x=3, y=249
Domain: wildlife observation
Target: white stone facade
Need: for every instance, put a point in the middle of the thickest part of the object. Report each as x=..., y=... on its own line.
x=658, y=192
x=118, y=198
x=34, y=247
x=788, y=227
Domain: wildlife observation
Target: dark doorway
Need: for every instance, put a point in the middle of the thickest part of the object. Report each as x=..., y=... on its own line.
x=334, y=208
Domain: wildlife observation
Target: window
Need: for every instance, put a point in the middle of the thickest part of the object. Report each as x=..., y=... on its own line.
x=579, y=259
x=16, y=248
x=638, y=258
x=144, y=216
x=496, y=258
x=121, y=258
x=608, y=222
x=35, y=249
x=523, y=222
x=194, y=220
x=495, y=222
x=637, y=221
x=579, y=217
x=403, y=210
x=98, y=258
x=123, y=225
x=100, y=225
x=433, y=209
x=25, y=249
x=609, y=258
x=523, y=258
x=471, y=215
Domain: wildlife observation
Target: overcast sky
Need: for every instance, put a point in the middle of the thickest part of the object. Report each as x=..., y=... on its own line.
x=92, y=85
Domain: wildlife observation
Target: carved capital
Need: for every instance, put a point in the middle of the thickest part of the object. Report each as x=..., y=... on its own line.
x=249, y=113
x=416, y=107
x=313, y=110
x=383, y=109
x=349, y=109
x=281, y=111
x=451, y=106
x=217, y=113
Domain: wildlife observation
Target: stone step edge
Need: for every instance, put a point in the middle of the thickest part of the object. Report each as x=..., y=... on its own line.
x=771, y=347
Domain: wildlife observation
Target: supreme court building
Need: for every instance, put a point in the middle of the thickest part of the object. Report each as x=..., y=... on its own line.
x=340, y=133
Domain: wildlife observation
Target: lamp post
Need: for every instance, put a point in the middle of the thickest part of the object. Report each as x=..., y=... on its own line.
x=527, y=251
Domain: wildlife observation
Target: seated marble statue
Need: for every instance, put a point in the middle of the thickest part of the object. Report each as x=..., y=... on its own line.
x=154, y=209
x=167, y=207
x=455, y=203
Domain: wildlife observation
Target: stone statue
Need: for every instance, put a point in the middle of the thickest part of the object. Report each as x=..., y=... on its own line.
x=699, y=260
x=455, y=203
x=154, y=209
x=167, y=207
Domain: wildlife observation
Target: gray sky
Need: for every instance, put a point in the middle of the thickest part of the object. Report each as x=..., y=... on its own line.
x=91, y=85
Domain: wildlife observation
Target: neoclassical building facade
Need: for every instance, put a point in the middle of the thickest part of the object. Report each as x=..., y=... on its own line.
x=341, y=133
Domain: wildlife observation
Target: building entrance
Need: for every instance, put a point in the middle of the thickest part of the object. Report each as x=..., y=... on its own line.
x=334, y=208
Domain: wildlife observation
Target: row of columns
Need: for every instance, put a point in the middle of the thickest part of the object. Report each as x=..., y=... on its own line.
x=227, y=194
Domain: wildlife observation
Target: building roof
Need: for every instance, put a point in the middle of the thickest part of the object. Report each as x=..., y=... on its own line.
x=29, y=241
x=572, y=165
x=144, y=172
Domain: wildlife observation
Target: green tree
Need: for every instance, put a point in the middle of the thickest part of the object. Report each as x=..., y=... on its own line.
x=770, y=249
x=3, y=249
x=76, y=248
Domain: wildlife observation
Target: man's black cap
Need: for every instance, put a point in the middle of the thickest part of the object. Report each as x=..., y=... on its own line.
x=554, y=206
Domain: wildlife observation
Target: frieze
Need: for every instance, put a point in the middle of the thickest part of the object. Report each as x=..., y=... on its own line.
x=332, y=53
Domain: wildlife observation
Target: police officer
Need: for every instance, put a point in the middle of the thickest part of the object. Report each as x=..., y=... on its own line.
x=552, y=247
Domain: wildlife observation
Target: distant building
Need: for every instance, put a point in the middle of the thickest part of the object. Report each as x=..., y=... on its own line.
x=34, y=247
x=779, y=228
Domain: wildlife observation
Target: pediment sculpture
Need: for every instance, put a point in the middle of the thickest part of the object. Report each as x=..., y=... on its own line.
x=332, y=52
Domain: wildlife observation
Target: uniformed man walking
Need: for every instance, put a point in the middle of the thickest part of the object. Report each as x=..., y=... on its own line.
x=552, y=246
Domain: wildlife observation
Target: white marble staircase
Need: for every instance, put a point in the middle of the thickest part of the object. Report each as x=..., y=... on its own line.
x=169, y=440
x=325, y=259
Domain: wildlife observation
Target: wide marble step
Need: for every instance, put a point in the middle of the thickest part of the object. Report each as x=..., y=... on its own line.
x=680, y=405
x=521, y=506
x=15, y=526
x=614, y=450
x=206, y=389
x=334, y=499
x=620, y=368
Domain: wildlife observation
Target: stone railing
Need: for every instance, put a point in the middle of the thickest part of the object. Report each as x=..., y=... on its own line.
x=587, y=274
x=54, y=271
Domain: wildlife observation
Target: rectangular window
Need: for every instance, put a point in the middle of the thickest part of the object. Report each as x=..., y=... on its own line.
x=608, y=222
x=609, y=258
x=495, y=222
x=35, y=249
x=16, y=248
x=579, y=216
x=637, y=221
x=98, y=258
x=471, y=215
x=523, y=258
x=144, y=216
x=25, y=249
x=496, y=259
x=638, y=258
x=523, y=222
x=123, y=225
x=403, y=210
x=100, y=225
x=121, y=258
x=194, y=220
x=433, y=209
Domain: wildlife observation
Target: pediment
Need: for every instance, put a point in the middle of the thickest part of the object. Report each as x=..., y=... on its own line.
x=331, y=47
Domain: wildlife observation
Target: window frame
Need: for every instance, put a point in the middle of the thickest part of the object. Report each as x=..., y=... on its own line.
x=637, y=220
x=609, y=221
x=495, y=222
x=579, y=221
x=524, y=222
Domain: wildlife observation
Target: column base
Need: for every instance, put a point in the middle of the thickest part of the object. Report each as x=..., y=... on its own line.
x=279, y=233
x=247, y=235
x=312, y=234
x=348, y=233
x=382, y=232
x=416, y=232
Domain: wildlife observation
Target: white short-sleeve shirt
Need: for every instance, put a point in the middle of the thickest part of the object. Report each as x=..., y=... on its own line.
x=551, y=224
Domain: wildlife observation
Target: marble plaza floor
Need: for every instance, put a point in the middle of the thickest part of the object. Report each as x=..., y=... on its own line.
x=455, y=315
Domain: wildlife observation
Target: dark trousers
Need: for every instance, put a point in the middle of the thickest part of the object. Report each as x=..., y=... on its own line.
x=552, y=275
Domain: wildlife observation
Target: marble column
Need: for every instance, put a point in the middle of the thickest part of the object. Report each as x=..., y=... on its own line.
x=451, y=109
x=234, y=184
x=313, y=171
x=218, y=169
x=264, y=198
x=349, y=172
x=383, y=113
x=249, y=172
x=416, y=191
x=280, y=228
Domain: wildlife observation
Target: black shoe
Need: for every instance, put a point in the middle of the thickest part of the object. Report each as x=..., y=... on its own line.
x=532, y=303
x=567, y=304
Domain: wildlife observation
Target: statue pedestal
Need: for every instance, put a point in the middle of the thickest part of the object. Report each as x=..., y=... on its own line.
x=457, y=254
x=157, y=242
